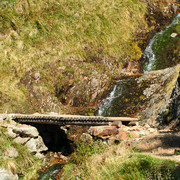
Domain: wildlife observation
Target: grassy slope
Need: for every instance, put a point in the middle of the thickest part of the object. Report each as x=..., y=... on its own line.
x=119, y=163
x=63, y=40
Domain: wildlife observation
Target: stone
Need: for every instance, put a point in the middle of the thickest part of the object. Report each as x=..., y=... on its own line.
x=152, y=130
x=11, y=133
x=134, y=134
x=122, y=135
x=103, y=131
x=21, y=141
x=6, y=175
x=163, y=151
x=85, y=137
x=27, y=131
x=111, y=141
x=142, y=133
x=36, y=145
x=173, y=35
x=39, y=155
x=136, y=128
x=146, y=126
x=118, y=124
x=94, y=82
x=11, y=153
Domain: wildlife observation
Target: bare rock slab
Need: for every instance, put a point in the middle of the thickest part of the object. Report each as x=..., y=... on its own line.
x=26, y=131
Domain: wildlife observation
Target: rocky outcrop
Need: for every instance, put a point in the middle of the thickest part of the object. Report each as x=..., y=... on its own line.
x=175, y=105
x=24, y=135
x=161, y=96
x=113, y=134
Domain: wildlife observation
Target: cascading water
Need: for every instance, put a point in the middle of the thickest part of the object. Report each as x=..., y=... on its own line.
x=149, y=54
x=125, y=95
x=106, y=103
x=123, y=99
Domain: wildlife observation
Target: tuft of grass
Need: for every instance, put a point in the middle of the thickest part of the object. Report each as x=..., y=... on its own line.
x=25, y=164
x=85, y=150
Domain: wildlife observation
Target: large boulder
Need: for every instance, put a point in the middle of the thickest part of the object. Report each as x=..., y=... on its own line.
x=103, y=132
x=36, y=145
x=26, y=131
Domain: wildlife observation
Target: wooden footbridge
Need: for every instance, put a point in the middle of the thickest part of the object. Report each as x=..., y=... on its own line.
x=69, y=119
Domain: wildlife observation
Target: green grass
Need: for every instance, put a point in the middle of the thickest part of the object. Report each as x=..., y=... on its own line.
x=25, y=164
x=167, y=48
x=78, y=35
x=120, y=163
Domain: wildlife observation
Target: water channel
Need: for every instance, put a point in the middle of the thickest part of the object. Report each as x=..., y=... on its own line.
x=124, y=94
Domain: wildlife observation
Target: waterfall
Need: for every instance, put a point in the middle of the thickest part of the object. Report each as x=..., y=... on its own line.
x=148, y=53
x=106, y=103
x=123, y=89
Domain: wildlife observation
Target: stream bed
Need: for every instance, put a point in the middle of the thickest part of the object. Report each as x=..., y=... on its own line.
x=127, y=96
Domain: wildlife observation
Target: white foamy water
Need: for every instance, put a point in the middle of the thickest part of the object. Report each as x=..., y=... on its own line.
x=148, y=53
x=106, y=103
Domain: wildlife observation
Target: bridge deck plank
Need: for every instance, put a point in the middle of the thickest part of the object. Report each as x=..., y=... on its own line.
x=68, y=119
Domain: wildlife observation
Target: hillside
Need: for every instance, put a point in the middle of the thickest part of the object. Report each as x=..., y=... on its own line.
x=50, y=47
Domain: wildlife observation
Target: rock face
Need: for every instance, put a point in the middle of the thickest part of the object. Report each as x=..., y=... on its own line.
x=24, y=135
x=161, y=96
x=175, y=104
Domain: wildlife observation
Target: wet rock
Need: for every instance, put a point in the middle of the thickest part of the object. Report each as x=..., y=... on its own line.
x=175, y=105
x=27, y=131
x=36, y=145
x=11, y=153
x=159, y=96
x=6, y=175
x=21, y=141
x=86, y=137
x=103, y=132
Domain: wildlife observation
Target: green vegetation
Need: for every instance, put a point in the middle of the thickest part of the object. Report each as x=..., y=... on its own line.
x=25, y=164
x=121, y=163
x=86, y=150
x=64, y=41
x=167, y=48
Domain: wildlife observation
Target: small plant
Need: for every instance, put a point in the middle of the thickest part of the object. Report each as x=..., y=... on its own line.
x=85, y=150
